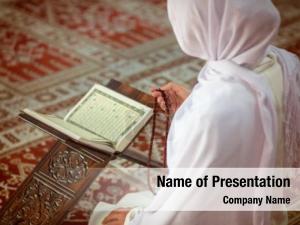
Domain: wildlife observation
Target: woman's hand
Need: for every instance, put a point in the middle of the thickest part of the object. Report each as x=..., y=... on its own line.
x=175, y=94
x=116, y=217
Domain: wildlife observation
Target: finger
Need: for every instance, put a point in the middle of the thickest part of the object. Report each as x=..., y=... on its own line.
x=160, y=100
x=110, y=219
x=163, y=106
x=173, y=100
x=161, y=103
x=116, y=214
x=168, y=100
x=156, y=94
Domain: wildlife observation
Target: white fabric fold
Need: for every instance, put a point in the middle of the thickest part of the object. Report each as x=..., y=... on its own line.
x=229, y=119
x=263, y=93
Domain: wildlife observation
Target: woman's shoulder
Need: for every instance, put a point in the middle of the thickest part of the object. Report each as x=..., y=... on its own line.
x=289, y=60
x=224, y=100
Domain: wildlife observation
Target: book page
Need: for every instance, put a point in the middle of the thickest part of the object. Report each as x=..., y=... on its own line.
x=76, y=130
x=64, y=127
x=107, y=114
x=75, y=133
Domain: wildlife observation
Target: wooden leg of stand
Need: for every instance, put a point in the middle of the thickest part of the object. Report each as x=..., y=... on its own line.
x=54, y=187
x=294, y=218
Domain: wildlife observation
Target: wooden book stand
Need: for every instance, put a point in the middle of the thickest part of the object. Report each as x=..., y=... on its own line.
x=64, y=174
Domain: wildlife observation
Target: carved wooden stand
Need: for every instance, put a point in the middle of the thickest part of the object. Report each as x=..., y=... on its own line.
x=54, y=187
x=63, y=175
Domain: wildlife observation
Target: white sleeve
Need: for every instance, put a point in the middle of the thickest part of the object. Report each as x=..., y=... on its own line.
x=218, y=126
x=133, y=217
x=215, y=127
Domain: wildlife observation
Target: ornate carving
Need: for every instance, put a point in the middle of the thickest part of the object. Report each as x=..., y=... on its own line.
x=37, y=205
x=68, y=167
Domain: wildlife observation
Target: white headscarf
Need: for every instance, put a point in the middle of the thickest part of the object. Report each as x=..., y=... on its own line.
x=233, y=36
x=235, y=30
x=231, y=33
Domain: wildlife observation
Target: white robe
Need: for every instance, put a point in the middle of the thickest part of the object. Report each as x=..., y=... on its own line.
x=233, y=116
x=209, y=133
x=223, y=129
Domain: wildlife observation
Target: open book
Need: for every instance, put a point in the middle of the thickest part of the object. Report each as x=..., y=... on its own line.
x=103, y=119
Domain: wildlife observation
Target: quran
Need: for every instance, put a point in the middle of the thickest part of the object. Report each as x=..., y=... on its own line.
x=103, y=119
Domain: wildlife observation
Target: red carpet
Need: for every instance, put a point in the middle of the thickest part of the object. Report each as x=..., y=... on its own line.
x=52, y=52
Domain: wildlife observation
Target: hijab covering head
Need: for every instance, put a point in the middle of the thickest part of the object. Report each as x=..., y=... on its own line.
x=236, y=30
x=233, y=35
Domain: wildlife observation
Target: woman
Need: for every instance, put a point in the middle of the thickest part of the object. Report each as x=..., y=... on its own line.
x=243, y=112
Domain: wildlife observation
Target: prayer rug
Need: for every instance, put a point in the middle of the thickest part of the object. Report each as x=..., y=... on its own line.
x=52, y=52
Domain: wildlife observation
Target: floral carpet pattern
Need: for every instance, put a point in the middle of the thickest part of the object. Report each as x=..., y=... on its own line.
x=52, y=52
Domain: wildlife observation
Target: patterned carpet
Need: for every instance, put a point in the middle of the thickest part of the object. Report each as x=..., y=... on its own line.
x=52, y=52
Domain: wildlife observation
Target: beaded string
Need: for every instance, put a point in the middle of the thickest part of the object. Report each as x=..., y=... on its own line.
x=155, y=112
x=167, y=113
